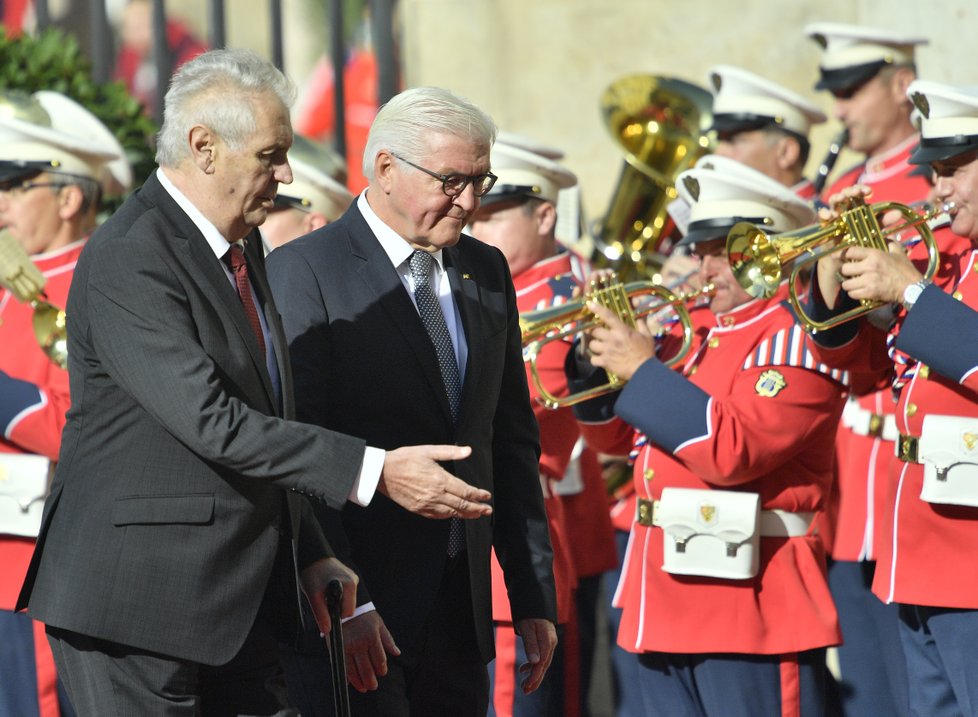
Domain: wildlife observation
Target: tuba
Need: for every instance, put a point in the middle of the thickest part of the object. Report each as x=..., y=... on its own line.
x=556, y=323
x=660, y=123
x=758, y=259
x=21, y=277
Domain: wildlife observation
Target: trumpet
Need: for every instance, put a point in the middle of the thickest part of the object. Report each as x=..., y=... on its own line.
x=758, y=259
x=556, y=323
x=21, y=277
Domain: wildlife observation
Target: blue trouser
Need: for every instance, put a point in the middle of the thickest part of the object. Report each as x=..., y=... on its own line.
x=871, y=660
x=547, y=700
x=624, y=665
x=18, y=671
x=728, y=685
x=941, y=646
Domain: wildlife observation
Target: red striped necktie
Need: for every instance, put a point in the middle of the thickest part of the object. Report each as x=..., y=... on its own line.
x=235, y=258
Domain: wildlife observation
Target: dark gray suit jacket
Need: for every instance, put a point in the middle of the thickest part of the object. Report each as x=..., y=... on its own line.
x=177, y=472
x=364, y=364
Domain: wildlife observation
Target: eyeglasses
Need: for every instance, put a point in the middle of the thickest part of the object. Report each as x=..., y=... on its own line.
x=455, y=184
x=24, y=187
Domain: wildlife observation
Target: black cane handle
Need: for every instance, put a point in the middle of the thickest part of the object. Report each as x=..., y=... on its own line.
x=334, y=603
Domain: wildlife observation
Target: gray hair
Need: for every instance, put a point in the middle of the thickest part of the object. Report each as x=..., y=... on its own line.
x=217, y=90
x=404, y=123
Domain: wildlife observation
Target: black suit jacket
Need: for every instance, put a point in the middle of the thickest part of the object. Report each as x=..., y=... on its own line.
x=176, y=476
x=364, y=364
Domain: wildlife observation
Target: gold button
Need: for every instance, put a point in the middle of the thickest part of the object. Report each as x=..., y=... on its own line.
x=976, y=267
x=713, y=343
x=924, y=371
x=648, y=474
x=729, y=320
x=692, y=371
x=957, y=295
x=911, y=409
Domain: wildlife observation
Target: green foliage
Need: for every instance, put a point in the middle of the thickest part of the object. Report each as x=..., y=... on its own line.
x=53, y=61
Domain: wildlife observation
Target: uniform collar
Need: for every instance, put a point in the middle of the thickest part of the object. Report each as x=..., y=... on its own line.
x=746, y=313
x=893, y=159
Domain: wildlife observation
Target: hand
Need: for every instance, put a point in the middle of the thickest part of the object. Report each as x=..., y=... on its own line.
x=316, y=577
x=367, y=643
x=615, y=346
x=412, y=478
x=539, y=641
x=828, y=270
x=877, y=275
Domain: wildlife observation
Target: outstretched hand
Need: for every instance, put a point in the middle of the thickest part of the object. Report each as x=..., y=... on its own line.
x=412, y=478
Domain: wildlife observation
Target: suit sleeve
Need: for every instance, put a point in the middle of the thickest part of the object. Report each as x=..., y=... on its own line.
x=521, y=536
x=304, y=316
x=32, y=415
x=142, y=325
x=732, y=439
x=927, y=334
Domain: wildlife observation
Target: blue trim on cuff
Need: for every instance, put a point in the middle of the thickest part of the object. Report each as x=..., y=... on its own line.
x=15, y=396
x=942, y=332
x=664, y=405
x=581, y=375
x=816, y=309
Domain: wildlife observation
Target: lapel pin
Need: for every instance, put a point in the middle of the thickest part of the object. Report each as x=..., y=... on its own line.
x=466, y=276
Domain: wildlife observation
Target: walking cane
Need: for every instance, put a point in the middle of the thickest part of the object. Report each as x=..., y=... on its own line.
x=341, y=695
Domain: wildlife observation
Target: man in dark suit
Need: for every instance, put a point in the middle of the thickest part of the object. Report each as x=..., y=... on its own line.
x=404, y=331
x=175, y=537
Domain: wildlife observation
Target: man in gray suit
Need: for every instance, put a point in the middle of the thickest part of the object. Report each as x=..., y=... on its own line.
x=175, y=536
x=404, y=330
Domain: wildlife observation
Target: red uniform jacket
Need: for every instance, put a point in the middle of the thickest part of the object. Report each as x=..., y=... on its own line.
x=723, y=426
x=35, y=400
x=546, y=283
x=924, y=549
x=864, y=460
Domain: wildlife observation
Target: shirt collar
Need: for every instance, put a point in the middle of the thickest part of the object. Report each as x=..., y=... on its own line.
x=215, y=240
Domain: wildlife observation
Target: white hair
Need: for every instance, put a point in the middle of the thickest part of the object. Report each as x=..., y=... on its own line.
x=403, y=124
x=217, y=89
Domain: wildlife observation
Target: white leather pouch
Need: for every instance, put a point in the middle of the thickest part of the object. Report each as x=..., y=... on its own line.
x=948, y=449
x=23, y=487
x=713, y=533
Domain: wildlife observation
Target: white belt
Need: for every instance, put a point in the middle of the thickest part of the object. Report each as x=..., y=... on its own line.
x=863, y=422
x=773, y=524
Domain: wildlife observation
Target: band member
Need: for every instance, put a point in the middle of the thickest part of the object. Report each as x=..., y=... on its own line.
x=867, y=70
x=519, y=216
x=737, y=458
x=764, y=126
x=316, y=196
x=930, y=522
x=56, y=160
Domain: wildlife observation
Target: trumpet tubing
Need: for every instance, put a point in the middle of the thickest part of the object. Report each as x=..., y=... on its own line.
x=758, y=259
x=558, y=323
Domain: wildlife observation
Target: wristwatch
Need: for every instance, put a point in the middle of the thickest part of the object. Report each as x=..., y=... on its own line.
x=912, y=293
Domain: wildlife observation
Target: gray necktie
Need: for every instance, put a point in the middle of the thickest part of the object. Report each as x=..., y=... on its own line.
x=434, y=323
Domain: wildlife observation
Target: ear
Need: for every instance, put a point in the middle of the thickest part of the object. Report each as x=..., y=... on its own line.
x=546, y=214
x=900, y=82
x=788, y=152
x=203, y=147
x=314, y=220
x=70, y=201
x=383, y=170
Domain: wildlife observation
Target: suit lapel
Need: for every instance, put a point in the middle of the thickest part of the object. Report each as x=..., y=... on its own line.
x=383, y=282
x=211, y=279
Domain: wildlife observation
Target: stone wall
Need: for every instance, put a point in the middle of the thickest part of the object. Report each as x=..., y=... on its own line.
x=540, y=66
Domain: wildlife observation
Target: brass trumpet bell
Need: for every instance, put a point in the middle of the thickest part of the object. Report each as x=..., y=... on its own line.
x=758, y=259
x=558, y=323
x=51, y=332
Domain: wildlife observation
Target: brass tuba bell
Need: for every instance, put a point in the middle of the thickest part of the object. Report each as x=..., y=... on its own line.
x=758, y=259
x=660, y=123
